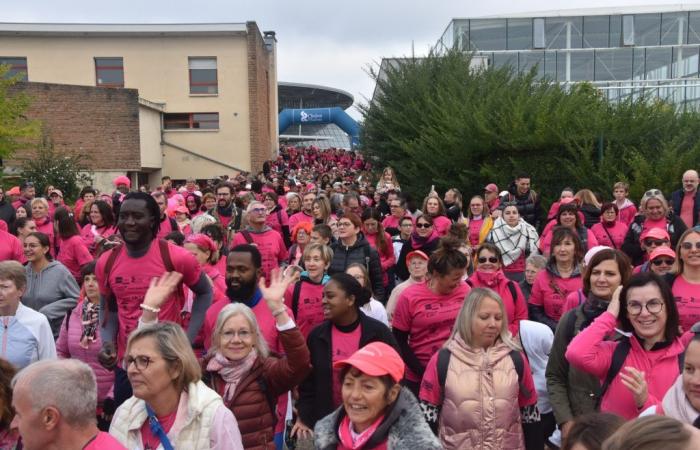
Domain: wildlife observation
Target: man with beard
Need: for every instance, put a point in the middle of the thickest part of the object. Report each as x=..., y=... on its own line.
x=306, y=213
x=125, y=273
x=226, y=211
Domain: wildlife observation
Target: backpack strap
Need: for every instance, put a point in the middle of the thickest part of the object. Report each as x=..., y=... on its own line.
x=173, y=225
x=271, y=401
x=570, y=326
x=469, y=282
x=618, y=359
x=513, y=291
x=443, y=363
x=248, y=237
x=295, y=298
x=519, y=364
x=279, y=217
x=165, y=255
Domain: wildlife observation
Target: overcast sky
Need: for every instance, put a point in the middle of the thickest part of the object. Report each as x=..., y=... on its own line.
x=328, y=42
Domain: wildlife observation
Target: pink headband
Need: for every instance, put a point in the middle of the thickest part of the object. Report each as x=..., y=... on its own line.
x=202, y=241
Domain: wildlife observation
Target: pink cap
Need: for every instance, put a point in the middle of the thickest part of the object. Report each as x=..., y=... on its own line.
x=201, y=241
x=122, y=180
x=655, y=233
x=662, y=251
x=57, y=192
x=182, y=209
x=376, y=359
x=491, y=187
x=416, y=254
x=13, y=191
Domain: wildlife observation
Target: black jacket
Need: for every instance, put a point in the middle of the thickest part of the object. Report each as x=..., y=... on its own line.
x=528, y=205
x=591, y=215
x=7, y=212
x=362, y=253
x=316, y=392
x=631, y=245
x=401, y=269
x=677, y=201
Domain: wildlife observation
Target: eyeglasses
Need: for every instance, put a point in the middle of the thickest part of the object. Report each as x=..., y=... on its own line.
x=653, y=306
x=423, y=225
x=652, y=192
x=689, y=245
x=659, y=261
x=142, y=362
x=491, y=259
x=655, y=242
x=259, y=210
x=243, y=335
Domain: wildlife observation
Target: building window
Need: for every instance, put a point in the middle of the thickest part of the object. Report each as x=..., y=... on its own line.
x=17, y=66
x=191, y=121
x=203, y=76
x=109, y=72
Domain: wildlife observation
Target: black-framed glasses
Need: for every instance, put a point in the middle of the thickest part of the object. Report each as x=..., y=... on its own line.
x=658, y=261
x=652, y=192
x=423, y=225
x=491, y=259
x=653, y=306
x=689, y=245
x=141, y=362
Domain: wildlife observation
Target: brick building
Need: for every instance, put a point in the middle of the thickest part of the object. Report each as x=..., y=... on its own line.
x=206, y=94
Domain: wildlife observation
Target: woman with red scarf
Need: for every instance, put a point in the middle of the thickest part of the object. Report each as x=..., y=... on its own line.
x=423, y=238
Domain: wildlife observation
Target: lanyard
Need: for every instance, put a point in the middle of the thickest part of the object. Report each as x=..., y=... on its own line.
x=157, y=430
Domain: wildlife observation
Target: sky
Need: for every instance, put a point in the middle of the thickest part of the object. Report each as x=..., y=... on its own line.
x=330, y=43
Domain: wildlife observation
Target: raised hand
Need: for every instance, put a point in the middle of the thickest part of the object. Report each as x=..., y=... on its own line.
x=635, y=381
x=160, y=289
x=614, y=305
x=279, y=282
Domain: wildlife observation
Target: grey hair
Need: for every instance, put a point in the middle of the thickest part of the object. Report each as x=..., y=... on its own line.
x=470, y=308
x=538, y=261
x=235, y=309
x=68, y=385
x=201, y=221
x=252, y=205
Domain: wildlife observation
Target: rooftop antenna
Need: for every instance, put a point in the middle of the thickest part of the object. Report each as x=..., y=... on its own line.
x=413, y=49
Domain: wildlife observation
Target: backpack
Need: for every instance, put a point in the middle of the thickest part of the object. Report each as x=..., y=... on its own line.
x=443, y=363
x=511, y=289
x=247, y=236
x=112, y=258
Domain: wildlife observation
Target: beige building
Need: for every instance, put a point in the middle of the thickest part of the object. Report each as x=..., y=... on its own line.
x=207, y=92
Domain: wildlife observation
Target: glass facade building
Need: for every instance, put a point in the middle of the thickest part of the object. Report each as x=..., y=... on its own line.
x=623, y=55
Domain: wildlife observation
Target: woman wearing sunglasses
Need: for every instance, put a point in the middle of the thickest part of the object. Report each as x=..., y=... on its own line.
x=661, y=261
x=637, y=370
x=489, y=274
x=653, y=213
x=423, y=238
x=686, y=282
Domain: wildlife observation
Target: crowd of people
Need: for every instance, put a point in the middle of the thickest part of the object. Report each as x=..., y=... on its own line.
x=317, y=302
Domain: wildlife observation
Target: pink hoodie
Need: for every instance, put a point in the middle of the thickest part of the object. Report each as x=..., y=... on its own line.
x=516, y=308
x=591, y=353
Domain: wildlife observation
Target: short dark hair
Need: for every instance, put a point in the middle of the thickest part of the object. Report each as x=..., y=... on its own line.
x=405, y=218
x=151, y=206
x=609, y=254
x=642, y=279
x=386, y=380
x=228, y=186
x=214, y=231
x=88, y=269
x=105, y=211
x=66, y=226
x=591, y=430
x=252, y=250
x=560, y=233
x=324, y=230
x=176, y=237
x=522, y=175
x=352, y=287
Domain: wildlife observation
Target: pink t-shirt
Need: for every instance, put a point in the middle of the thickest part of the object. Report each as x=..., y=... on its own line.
x=687, y=209
x=301, y=216
x=431, y=390
x=309, y=311
x=343, y=345
x=428, y=318
x=550, y=291
x=687, y=297
x=271, y=246
x=10, y=247
x=474, y=230
x=89, y=237
x=104, y=441
x=391, y=221
x=73, y=254
x=129, y=280
x=46, y=226
x=166, y=228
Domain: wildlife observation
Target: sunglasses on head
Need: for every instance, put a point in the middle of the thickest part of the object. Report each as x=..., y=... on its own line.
x=689, y=245
x=651, y=192
x=659, y=261
x=423, y=225
x=655, y=242
x=491, y=259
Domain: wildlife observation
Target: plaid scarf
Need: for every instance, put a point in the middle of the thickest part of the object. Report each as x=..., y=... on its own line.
x=513, y=241
x=89, y=317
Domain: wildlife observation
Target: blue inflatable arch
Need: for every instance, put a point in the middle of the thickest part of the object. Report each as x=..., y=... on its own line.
x=336, y=115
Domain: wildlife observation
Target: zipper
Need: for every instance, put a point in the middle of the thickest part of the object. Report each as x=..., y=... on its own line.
x=6, y=325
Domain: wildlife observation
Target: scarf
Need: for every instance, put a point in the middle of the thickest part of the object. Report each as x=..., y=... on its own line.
x=677, y=405
x=352, y=440
x=231, y=371
x=418, y=241
x=89, y=317
x=514, y=241
x=490, y=280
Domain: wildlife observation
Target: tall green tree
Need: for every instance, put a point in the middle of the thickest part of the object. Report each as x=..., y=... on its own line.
x=436, y=121
x=15, y=127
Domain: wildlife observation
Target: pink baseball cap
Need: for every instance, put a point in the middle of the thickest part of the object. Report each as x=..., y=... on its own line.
x=662, y=251
x=416, y=254
x=182, y=209
x=376, y=359
x=655, y=233
x=491, y=187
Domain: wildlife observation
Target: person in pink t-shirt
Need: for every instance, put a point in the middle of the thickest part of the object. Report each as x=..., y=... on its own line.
x=10, y=247
x=72, y=253
x=123, y=285
x=626, y=209
x=425, y=312
x=306, y=213
x=55, y=403
x=686, y=284
x=610, y=231
x=435, y=208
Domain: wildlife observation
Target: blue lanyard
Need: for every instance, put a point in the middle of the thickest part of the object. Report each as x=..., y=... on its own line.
x=157, y=429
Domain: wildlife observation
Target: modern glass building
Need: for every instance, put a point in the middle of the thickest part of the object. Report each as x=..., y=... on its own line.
x=622, y=51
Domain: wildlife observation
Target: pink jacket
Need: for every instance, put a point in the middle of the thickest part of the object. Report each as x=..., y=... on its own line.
x=516, y=308
x=591, y=353
x=68, y=346
x=627, y=213
x=617, y=232
x=550, y=291
x=387, y=259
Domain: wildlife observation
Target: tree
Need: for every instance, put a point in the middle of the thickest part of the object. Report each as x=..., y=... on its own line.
x=15, y=127
x=436, y=121
x=50, y=167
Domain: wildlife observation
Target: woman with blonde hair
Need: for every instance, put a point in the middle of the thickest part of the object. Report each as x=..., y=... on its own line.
x=653, y=213
x=479, y=362
x=589, y=207
x=321, y=210
x=388, y=182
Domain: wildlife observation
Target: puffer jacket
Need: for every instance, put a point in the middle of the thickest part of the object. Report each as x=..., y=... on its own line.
x=528, y=205
x=403, y=428
x=267, y=379
x=590, y=352
x=68, y=346
x=362, y=253
x=480, y=408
